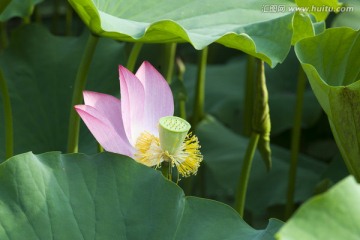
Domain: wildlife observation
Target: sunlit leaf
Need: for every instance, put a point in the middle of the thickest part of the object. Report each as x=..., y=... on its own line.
x=332, y=215
x=303, y=27
x=254, y=27
x=107, y=196
x=333, y=67
x=319, y=8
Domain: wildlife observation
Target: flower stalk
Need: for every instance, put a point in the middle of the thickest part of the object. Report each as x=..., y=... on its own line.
x=69, y=19
x=133, y=56
x=198, y=112
x=56, y=16
x=249, y=95
x=245, y=173
x=260, y=137
x=169, y=61
x=79, y=85
x=9, y=131
x=3, y=36
x=182, y=95
x=295, y=142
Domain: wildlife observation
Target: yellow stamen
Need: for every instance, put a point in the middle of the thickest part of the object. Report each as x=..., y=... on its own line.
x=148, y=149
x=186, y=158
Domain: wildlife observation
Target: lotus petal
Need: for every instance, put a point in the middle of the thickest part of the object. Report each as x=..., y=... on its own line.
x=103, y=130
x=159, y=101
x=132, y=104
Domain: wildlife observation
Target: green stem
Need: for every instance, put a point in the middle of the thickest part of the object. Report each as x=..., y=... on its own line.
x=3, y=36
x=198, y=112
x=182, y=109
x=170, y=172
x=182, y=97
x=166, y=170
x=80, y=82
x=9, y=134
x=249, y=95
x=68, y=17
x=56, y=16
x=135, y=50
x=245, y=174
x=169, y=61
x=295, y=142
x=37, y=14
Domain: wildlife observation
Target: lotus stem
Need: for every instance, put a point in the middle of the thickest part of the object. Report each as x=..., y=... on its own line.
x=166, y=170
x=37, y=15
x=3, y=36
x=182, y=98
x=260, y=125
x=68, y=17
x=245, y=174
x=199, y=112
x=135, y=50
x=169, y=61
x=9, y=131
x=249, y=95
x=56, y=16
x=295, y=142
x=79, y=85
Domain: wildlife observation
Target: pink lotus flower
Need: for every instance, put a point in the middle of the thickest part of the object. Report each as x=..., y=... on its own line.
x=131, y=126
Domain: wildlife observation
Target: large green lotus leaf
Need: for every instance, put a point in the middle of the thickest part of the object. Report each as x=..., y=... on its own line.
x=17, y=8
x=332, y=215
x=252, y=26
x=40, y=71
x=223, y=156
x=331, y=61
x=107, y=196
x=225, y=90
x=350, y=17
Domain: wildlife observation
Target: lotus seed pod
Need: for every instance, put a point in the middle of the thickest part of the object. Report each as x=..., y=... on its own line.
x=172, y=133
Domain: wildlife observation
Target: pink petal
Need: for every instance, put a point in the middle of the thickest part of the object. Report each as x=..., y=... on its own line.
x=132, y=104
x=159, y=100
x=109, y=107
x=103, y=130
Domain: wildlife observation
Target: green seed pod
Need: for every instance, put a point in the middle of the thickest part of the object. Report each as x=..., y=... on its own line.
x=172, y=133
x=261, y=117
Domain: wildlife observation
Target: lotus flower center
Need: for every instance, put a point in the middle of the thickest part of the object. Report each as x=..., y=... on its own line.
x=173, y=145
